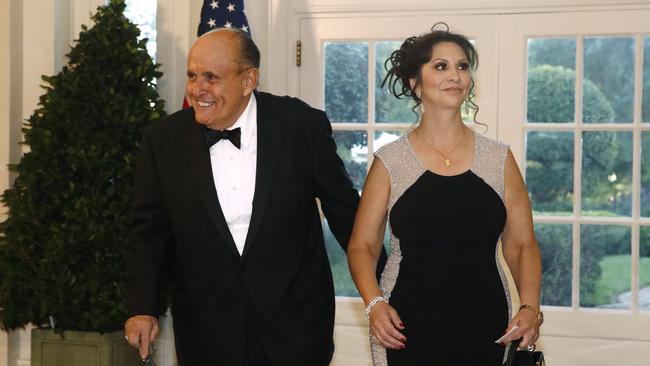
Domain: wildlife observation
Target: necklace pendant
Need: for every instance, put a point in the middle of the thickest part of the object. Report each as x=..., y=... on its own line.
x=447, y=162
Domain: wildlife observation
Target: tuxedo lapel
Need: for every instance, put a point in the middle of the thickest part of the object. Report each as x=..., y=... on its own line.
x=199, y=161
x=268, y=143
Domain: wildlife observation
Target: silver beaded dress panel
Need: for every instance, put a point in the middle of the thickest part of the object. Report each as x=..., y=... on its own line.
x=415, y=188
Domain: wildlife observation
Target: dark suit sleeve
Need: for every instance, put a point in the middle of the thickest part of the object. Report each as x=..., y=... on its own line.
x=339, y=199
x=151, y=237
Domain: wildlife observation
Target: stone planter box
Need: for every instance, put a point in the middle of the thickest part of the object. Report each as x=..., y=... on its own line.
x=81, y=349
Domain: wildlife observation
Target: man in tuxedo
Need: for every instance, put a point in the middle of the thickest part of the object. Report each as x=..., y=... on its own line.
x=225, y=192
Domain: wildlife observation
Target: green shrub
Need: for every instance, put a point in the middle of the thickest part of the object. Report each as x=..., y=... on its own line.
x=69, y=210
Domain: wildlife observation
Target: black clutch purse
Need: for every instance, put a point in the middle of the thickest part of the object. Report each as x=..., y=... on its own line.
x=517, y=357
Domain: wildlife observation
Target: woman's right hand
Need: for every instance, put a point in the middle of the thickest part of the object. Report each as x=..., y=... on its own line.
x=385, y=326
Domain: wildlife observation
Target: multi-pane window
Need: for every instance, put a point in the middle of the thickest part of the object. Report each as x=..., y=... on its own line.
x=364, y=117
x=585, y=171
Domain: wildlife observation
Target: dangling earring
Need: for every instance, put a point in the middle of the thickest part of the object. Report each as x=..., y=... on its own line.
x=419, y=95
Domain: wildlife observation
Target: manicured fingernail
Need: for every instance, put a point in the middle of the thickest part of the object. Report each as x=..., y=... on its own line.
x=401, y=324
x=502, y=343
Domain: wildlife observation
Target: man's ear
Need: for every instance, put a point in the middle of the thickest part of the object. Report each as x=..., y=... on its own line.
x=249, y=80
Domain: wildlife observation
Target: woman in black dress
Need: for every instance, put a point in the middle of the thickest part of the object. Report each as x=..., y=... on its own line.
x=464, y=267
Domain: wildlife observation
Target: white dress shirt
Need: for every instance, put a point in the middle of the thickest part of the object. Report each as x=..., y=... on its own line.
x=233, y=172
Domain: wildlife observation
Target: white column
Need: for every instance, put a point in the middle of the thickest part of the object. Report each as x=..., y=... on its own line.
x=38, y=28
x=5, y=92
x=280, y=54
x=176, y=25
x=30, y=46
x=80, y=12
x=5, y=105
x=258, y=15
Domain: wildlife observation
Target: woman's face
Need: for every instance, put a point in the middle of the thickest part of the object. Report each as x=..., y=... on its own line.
x=445, y=79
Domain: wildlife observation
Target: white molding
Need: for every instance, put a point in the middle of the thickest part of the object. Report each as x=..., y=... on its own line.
x=38, y=48
x=69, y=16
x=5, y=124
x=175, y=22
x=80, y=12
x=278, y=56
x=4, y=349
x=461, y=7
x=19, y=352
x=5, y=107
x=258, y=13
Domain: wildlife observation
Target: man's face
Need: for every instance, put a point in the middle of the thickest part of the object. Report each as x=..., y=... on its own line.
x=217, y=87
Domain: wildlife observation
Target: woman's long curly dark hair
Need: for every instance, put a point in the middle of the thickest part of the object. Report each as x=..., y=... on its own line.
x=406, y=62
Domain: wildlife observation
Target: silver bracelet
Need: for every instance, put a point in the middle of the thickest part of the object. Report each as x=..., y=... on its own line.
x=374, y=302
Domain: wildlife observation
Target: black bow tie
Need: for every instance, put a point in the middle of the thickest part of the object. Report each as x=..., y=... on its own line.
x=215, y=136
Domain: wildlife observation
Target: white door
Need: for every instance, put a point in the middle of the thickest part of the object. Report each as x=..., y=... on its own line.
x=574, y=93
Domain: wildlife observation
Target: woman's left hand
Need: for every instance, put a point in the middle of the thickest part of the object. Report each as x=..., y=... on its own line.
x=528, y=329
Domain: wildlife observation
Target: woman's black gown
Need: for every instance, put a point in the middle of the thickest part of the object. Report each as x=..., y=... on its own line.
x=450, y=289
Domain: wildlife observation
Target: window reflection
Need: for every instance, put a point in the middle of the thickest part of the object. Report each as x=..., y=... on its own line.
x=143, y=13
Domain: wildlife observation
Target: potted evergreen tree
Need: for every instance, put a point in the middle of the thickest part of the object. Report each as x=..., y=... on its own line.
x=69, y=210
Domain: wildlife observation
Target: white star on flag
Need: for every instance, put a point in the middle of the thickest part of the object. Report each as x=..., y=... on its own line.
x=212, y=23
x=214, y=4
x=231, y=7
x=228, y=25
x=244, y=28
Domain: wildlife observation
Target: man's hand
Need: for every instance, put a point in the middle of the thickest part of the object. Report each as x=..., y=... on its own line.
x=141, y=331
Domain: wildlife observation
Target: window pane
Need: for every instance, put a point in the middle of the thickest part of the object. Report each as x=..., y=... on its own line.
x=549, y=171
x=387, y=107
x=384, y=137
x=608, y=88
x=645, y=174
x=644, y=269
x=555, y=243
x=343, y=284
x=605, y=266
x=551, y=80
x=143, y=13
x=645, y=104
x=346, y=81
x=352, y=147
x=606, y=173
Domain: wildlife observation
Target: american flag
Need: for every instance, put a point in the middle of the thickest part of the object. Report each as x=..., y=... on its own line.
x=221, y=14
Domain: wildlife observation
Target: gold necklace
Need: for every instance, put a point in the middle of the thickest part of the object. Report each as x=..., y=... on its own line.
x=445, y=156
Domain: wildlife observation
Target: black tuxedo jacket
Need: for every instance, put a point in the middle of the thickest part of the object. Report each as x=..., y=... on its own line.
x=282, y=281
